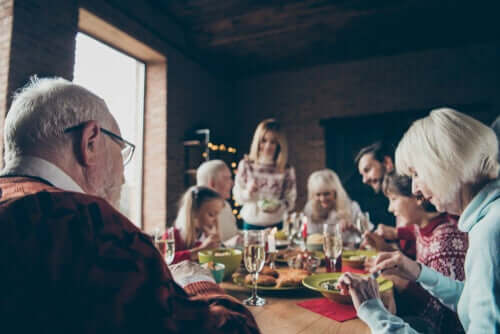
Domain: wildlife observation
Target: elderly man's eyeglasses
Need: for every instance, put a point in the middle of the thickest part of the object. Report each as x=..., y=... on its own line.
x=127, y=148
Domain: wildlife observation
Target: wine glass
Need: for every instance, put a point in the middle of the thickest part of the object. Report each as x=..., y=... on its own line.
x=165, y=243
x=271, y=248
x=254, y=256
x=332, y=245
x=169, y=254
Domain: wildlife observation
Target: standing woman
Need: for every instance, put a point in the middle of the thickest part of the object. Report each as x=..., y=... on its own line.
x=452, y=160
x=264, y=183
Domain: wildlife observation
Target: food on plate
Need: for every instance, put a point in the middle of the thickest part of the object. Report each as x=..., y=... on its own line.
x=281, y=278
x=262, y=280
x=222, y=253
x=330, y=285
x=270, y=272
x=291, y=277
x=269, y=205
x=356, y=258
x=315, y=238
x=284, y=254
x=211, y=265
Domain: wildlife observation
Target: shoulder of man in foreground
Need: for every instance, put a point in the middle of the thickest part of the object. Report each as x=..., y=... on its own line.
x=93, y=258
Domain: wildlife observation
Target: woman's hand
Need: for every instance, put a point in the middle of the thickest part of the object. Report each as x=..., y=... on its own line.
x=386, y=232
x=395, y=263
x=361, y=288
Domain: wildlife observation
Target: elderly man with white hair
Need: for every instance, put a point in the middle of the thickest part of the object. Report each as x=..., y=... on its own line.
x=70, y=262
x=452, y=160
x=216, y=175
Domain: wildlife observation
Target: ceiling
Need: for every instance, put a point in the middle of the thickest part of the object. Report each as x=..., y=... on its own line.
x=238, y=38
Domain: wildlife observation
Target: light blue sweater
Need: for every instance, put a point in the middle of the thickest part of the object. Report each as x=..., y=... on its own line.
x=477, y=300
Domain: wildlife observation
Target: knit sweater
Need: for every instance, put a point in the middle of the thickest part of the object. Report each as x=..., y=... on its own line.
x=273, y=186
x=477, y=299
x=442, y=247
x=71, y=263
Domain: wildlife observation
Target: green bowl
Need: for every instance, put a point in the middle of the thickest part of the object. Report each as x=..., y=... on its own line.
x=315, y=282
x=231, y=260
x=356, y=258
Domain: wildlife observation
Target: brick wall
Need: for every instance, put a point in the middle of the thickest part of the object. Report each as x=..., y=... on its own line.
x=6, y=8
x=404, y=82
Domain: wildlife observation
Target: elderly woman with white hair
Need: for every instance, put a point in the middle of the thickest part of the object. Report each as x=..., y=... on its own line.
x=329, y=203
x=452, y=159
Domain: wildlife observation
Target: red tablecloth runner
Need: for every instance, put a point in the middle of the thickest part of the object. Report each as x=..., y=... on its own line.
x=329, y=309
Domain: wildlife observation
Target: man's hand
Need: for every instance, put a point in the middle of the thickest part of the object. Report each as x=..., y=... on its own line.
x=361, y=288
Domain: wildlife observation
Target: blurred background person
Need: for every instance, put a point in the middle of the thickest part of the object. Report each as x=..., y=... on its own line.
x=215, y=175
x=196, y=225
x=373, y=162
x=265, y=183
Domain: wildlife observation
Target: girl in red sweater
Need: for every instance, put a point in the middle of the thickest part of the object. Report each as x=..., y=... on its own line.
x=196, y=225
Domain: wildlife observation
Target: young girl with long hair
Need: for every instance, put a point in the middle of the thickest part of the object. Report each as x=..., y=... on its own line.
x=265, y=183
x=196, y=225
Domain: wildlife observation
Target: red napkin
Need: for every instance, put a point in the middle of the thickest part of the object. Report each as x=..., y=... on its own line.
x=346, y=268
x=329, y=309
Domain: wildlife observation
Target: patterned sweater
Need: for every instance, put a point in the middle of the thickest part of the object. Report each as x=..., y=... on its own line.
x=442, y=247
x=274, y=186
x=71, y=263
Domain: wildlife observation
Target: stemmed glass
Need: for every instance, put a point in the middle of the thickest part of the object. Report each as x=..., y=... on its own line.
x=165, y=244
x=332, y=245
x=254, y=256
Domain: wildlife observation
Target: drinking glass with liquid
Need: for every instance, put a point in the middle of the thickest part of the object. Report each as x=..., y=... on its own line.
x=165, y=244
x=332, y=246
x=254, y=256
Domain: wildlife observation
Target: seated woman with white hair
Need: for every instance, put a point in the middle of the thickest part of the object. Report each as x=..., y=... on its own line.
x=452, y=159
x=328, y=203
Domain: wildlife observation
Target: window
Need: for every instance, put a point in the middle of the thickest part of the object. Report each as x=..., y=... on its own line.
x=120, y=80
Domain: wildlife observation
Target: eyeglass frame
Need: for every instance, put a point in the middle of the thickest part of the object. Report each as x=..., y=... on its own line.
x=112, y=136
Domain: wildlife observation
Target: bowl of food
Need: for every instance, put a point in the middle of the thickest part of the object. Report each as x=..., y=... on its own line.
x=356, y=258
x=269, y=205
x=326, y=284
x=315, y=242
x=231, y=258
x=217, y=270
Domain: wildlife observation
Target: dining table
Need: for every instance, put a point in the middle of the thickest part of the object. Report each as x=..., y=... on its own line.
x=281, y=314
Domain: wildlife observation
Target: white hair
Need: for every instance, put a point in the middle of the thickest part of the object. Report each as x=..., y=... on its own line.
x=208, y=171
x=327, y=179
x=448, y=149
x=43, y=109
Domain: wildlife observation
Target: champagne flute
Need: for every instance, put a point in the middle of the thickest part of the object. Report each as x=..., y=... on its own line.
x=271, y=248
x=254, y=256
x=332, y=245
x=170, y=241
